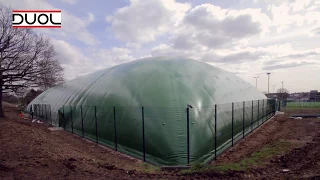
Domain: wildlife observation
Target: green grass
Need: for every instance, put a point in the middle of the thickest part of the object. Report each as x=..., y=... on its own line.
x=303, y=104
x=256, y=159
x=301, y=108
x=148, y=168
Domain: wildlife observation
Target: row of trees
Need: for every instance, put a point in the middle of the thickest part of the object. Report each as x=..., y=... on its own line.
x=282, y=93
x=27, y=60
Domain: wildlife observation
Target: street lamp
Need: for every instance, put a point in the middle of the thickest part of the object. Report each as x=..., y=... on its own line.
x=282, y=89
x=268, y=81
x=274, y=87
x=256, y=81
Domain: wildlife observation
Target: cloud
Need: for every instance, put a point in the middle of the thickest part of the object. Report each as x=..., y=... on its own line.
x=299, y=5
x=215, y=35
x=241, y=26
x=290, y=14
x=292, y=58
x=234, y=58
x=247, y=59
x=143, y=21
x=214, y=27
x=72, y=59
x=303, y=55
x=189, y=38
x=166, y=50
x=71, y=2
x=287, y=65
x=197, y=33
x=133, y=45
x=222, y=21
x=91, y=17
x=76, y=63
x=316, y=31
x=113, y=56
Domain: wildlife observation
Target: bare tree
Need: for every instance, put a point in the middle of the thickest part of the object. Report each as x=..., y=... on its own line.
x=26, y=59
x=282, y=93
x=53, y=74
x=282, y=90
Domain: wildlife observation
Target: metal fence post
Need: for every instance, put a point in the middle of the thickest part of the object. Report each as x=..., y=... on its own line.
x=274, y=107
x=64, y=124
x=267, y=110
x=258, y=113
x=115, y=129
x=232, y=122
x=263, y=111
x=270, y=108
x=188, y=140
x=215, y=132
x=82, y=128
x=50, y=114
x=243, y=119
x=252, y=117
x=40, y=111
x=45, y=110
x=31, y=111
x=96, y=121
x=143, y=137
x=71, y=119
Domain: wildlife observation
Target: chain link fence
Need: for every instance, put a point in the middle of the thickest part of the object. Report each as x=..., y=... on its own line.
x=41, y=112
x=164, y=135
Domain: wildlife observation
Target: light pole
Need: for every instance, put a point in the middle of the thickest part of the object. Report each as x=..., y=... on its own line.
x=268, y=81
x=256, y=81
x=282, y=90
x=274, y=87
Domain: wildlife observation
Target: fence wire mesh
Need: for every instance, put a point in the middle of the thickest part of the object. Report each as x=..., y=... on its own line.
x=163, y=135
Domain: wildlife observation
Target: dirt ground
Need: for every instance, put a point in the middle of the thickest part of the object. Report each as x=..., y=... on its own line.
x=301, y=159
x=32, y=151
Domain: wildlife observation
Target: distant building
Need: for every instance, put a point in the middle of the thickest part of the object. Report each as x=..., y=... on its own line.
x=278, y=95
x=300, y=96
x=272, y=95
x=314, y=95
x=297, y=96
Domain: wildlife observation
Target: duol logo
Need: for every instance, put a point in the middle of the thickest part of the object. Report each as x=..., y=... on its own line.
x=36, y=18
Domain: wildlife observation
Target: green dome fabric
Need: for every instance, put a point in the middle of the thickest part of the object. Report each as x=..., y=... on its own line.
x=163, y=86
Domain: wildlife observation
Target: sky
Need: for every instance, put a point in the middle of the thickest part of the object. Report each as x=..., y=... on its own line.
x=247, y=37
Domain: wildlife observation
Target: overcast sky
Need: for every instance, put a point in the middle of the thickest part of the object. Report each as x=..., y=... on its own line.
x=246, y=37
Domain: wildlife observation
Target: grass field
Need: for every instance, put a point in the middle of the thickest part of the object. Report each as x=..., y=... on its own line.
x=303, y=104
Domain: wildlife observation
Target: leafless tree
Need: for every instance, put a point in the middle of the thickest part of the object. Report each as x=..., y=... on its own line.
x=26, y=59
x=282, y=93
x=52, y=73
